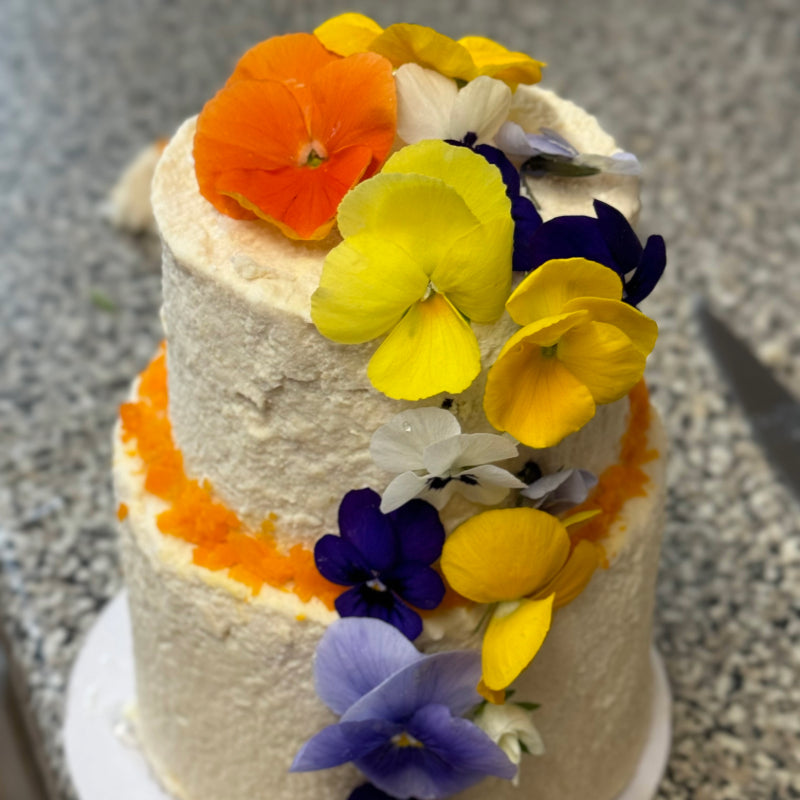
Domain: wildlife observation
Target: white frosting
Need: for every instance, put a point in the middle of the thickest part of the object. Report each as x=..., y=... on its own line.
x=225, y=692
x=277, y=417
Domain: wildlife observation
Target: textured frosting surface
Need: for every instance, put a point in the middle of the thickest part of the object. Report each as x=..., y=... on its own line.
x=221, y=672
x=277, y=417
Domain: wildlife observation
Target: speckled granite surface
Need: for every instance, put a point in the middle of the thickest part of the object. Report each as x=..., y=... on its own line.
x=704, y=92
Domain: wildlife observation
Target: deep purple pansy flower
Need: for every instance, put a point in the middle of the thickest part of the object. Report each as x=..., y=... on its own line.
x=401, y=714
x=385, y=558
x=369, y=792
x=607, y=239
x=523, y=211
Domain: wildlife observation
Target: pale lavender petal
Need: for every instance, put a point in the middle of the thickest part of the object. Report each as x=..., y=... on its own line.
x=403, y=488
x=447, y=678
x=397, y=446
x=484, y=448
x=354, y=656
x=561, y=491
x=512, y=139
x=346, y=741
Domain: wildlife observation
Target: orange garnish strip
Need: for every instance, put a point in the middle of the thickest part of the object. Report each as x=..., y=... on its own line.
x=220, y=539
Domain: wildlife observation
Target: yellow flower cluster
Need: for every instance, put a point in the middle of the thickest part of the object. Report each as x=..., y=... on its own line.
x=402, y=43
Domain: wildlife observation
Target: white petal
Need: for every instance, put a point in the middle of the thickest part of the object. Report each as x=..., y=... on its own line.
x=439, y=498
x=481, y=107
x=440, y=456
x=492, y=486
x=398, y=445
x=424, y=103
x=403, y=488
x=484, y=448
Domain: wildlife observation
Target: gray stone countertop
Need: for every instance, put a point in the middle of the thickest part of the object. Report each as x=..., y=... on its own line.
x=704, y=91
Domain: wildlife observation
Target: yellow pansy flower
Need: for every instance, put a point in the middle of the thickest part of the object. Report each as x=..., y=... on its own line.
x=427, y=249
x=580, y=346
x=404, y=43
x=522, y=560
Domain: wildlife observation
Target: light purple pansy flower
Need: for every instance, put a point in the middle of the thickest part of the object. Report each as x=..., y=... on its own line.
x=401, y=713
x=552, y=153
x=560, y=491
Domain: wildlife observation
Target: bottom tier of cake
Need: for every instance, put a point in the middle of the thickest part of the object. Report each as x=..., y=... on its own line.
x=225, y=694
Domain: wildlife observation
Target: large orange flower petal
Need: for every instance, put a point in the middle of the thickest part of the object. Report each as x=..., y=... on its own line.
x=292, y=59
x=355, y=103
x=300, y=200
x=231, y=139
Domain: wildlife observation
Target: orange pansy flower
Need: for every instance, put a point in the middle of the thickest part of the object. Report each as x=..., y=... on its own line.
x=292, y=131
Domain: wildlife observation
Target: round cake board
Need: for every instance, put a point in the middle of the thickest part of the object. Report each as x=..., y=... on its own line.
x=104, y=759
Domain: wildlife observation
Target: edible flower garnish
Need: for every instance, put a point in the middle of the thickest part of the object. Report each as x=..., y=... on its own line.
x=560, y=491
x=511, y=727
x=385, y=558
x=548, y=152
x=435, y=460
x=519, y=560
x=401, y=714
x=607, y=239
x=427, y=249
x=431, y=106
x=337, y=125
x=403, y=43
x=580, y=346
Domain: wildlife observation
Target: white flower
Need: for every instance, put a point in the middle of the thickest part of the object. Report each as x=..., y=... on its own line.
x=431, y=106
x=510, y=727
x=435, y=460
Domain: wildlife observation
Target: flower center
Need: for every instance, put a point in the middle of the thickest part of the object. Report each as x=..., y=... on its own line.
x=550, y=352
x=312, y=155
x=377, y=585
x=405, y=739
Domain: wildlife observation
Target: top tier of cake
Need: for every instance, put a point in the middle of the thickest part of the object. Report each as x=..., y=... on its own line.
x=279, y=418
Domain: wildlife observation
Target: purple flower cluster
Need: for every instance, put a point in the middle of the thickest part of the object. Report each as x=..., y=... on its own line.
x=385, y=559
x=401, y=715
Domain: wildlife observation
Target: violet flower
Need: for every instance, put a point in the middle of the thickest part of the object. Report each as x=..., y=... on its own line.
x=560, y=491
x=401, y=714
x=549, y=153
x=385, y=558
x=607, y=239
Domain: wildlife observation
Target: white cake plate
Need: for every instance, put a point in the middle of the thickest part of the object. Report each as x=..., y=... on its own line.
x=105, y=761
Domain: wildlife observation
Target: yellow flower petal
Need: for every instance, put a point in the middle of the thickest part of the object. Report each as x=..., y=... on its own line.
x=513, y=637
x=477, y=181
x=580, y=517
x=418, y=213
x=640, y=329
x=549, y=287
x=534, y=396
x=432, y=349
x=504, y=554
x=546, y=332
x=367, y=284
x=497, y=698
x=403, y=43
x=491, y=58
x=603, y=359
x=575, y=575
x=348, y=33
x=478, y=287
